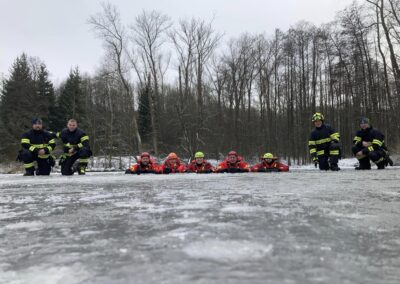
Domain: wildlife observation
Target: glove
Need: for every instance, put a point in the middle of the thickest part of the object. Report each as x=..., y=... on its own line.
x=237, y=170
x=315, y=160
x=19, y=157
x=335, y=144
x=205, y=172
x=51, y=161
x=62, y=159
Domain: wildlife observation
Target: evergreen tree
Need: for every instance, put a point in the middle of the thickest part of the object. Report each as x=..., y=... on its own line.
x=45, y=96
x=144, y=118
x=71, y=103
x=18, y=103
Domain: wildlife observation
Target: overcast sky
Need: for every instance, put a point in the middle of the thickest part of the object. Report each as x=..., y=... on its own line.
x=57, y=31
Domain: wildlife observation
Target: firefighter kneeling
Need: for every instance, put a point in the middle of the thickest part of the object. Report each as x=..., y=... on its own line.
x=369, y=145
x=76, y=146
x=37, y=146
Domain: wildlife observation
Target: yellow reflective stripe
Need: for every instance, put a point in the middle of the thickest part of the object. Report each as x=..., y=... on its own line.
x=80, y=145
x=335, y=136
x=380, y=160
x=84, y=138
x=313, y=150
x=52, y=141
x=43, y=156
x=311, y=143
x=29, y=165
x=39, y=145
x=322, y=141
x=377, y=142
x=319, y=153
x=370, y=148
x=84, y=160
x=25, y=140
x=58, y=134
x=69, y=145
x=334, y=152
x=357, y=139
x=50, y=148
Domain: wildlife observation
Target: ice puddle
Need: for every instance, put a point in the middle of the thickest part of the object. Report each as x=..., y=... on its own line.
x=227, y=251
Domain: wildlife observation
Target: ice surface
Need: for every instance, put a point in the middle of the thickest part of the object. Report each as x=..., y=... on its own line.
x=300, y=227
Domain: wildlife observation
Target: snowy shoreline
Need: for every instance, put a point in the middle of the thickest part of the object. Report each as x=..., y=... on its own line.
x=94, y=166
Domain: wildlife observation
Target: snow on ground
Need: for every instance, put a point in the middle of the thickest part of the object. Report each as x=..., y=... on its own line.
x=304, y=226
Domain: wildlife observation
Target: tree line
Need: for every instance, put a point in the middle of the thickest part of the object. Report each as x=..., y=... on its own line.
x=165, y=86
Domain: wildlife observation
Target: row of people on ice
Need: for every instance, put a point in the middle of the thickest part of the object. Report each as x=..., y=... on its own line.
x=38, y=145
x=324, y=146
x=232, y=164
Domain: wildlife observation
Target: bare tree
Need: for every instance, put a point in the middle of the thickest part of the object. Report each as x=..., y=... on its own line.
x=148, y=33
x=107, y=26
x=206, y=40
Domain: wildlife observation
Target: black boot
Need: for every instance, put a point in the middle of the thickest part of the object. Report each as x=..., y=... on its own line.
x=364, y=164
x=29, y=172
x=359, y=168
x=335, y=167
x=381, y=166
x=82, y=169
x=389, y=161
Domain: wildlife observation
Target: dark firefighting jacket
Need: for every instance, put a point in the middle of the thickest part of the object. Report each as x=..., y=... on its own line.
x=34, y=140
x=73, y=140
x=320, y=141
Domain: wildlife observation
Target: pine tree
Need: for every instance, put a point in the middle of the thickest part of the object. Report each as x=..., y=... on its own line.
x=18, y=103
x=144, y=118
x=45, y=95
x=71, y=103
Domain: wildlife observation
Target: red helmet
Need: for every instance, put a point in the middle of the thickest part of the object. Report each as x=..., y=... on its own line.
x=232, y=153
x=144, y=154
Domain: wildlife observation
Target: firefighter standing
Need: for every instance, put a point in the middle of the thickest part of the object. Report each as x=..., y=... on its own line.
x=37, y=146
x=324, y=144
x=76, y=146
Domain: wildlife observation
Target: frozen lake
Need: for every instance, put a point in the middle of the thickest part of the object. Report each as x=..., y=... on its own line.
x=298, y=227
